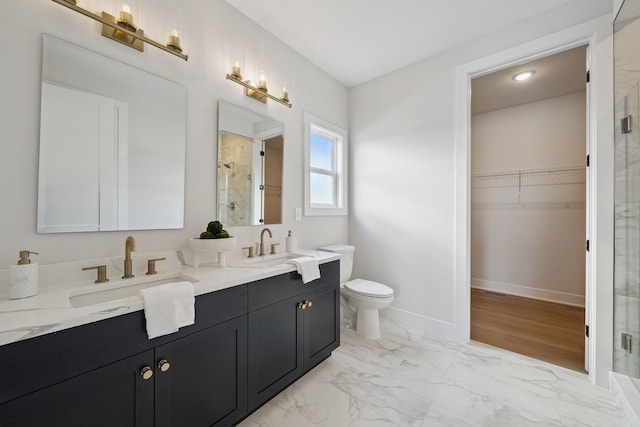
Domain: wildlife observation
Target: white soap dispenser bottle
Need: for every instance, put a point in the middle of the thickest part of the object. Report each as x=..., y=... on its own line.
x=23, y=278
x=291, y=243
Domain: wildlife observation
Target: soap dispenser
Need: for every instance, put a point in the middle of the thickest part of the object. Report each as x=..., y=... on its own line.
x=23, y=278
x=291, y=243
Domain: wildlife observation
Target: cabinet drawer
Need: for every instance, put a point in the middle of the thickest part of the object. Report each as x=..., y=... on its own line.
x=273, y=289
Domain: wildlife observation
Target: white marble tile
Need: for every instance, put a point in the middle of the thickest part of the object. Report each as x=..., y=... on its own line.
x=439, y=416
x=272, y=415
x=409, y=379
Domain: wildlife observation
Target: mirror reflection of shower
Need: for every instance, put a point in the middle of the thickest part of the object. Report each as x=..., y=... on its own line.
x=230, y=165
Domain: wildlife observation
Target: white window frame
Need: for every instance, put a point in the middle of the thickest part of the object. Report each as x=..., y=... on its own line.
x=328, y=130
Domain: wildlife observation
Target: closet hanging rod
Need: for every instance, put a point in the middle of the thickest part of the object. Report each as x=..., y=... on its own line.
x=527, y=172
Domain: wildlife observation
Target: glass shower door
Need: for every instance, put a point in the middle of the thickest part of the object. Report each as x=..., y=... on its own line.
x=627, y=235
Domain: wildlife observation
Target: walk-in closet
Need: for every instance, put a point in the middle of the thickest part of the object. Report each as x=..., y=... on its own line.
x=528, y=209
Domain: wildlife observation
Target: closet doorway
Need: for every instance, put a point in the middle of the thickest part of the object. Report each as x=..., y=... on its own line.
x=528, y=208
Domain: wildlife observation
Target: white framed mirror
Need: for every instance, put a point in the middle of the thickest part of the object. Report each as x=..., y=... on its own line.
x=112, y=144
x=250, y=164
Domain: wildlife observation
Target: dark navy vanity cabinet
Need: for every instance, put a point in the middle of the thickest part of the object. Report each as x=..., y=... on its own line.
x=248, y=343
x=292, y=327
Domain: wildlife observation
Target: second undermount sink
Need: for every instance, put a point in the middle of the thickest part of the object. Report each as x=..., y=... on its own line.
x=120, y=289
x=266, y=260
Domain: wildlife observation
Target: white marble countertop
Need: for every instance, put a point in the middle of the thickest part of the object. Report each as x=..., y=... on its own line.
x=51, y=309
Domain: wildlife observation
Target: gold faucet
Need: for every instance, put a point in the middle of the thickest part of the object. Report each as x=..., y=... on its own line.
x=130, y=245
x=261, y=253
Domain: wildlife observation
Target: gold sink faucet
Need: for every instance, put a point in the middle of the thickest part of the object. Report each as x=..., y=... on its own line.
x=130, y=245
x=261, y=253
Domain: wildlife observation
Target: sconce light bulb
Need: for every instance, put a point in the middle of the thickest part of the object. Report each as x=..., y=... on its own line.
x=126, y=19
x=235, y=70
x=262, y=83
x=174, y=41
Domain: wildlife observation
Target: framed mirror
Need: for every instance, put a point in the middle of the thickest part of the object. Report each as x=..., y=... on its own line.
x=112, y=145
x=250, y=160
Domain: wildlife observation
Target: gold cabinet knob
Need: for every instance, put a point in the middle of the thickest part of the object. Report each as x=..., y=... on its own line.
x=146, y=372
x=164, y=365
x=302, y=305
x=309, y=303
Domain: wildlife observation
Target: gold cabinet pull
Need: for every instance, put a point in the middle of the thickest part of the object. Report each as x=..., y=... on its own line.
x=146, y=372
x=164, y=365
x=304, y=305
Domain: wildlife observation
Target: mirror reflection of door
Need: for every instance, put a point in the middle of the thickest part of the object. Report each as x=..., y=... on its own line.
x=273, y=155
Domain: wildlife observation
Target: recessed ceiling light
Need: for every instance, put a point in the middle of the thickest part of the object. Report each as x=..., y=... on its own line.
x=525, y=75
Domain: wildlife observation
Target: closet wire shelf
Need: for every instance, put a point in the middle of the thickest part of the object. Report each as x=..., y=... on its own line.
x=551, y=187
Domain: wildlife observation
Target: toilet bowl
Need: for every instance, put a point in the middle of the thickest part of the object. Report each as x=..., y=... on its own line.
x=361, y=299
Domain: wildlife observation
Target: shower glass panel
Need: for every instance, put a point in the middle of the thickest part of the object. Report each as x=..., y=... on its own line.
x=627, y=236
x=626, y=329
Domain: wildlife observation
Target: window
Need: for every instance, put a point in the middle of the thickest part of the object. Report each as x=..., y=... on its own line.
x=325, y=168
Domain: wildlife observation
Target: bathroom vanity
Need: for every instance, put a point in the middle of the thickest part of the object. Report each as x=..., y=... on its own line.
x=249, y=341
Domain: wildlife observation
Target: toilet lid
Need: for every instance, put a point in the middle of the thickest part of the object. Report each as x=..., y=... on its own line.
x=369, y=288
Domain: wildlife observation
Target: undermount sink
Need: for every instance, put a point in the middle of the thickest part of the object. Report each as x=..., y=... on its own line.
x=267, y=260
x=119, y=289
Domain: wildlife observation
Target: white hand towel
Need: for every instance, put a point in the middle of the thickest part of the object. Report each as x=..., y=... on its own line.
x=184, y=303
x=168, y=307
x=307, y=267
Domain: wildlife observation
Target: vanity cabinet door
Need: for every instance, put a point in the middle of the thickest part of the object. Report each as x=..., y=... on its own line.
x=114, y=395
x=204, y=383
x=275, y=349
x=321, y=325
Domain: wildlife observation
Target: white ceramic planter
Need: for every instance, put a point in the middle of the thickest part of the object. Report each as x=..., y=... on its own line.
x=219, y=246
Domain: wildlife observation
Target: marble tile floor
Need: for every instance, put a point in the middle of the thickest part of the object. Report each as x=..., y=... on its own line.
x=409, y=379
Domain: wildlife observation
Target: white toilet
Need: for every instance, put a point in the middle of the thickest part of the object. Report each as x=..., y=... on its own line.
x=360, y=297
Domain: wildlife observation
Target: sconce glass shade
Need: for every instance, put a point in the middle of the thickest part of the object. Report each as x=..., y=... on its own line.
x=174, y=41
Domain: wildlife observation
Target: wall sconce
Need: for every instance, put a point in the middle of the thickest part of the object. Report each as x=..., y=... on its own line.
x=124, y=30
x=257, y=91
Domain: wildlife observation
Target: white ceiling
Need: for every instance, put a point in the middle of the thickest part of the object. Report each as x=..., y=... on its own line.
x=358, y=40
x=556, y=75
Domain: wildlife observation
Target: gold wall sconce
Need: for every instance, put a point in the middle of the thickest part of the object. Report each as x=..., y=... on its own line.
x=124, y=30
x=258, y=91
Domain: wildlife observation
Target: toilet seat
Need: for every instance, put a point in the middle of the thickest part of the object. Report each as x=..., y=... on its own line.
x=368, y=288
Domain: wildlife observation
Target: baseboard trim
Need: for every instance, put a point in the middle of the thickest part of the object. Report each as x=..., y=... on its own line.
x=433, y=327
x=628, y=397
x=528, y=292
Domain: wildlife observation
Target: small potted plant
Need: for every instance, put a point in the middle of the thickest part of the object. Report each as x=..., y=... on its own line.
x=214, y=240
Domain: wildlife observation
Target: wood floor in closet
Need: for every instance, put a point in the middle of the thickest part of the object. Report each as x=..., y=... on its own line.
x=543, y=330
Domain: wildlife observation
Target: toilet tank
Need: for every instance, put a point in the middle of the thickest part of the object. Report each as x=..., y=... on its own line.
x=346, y=259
